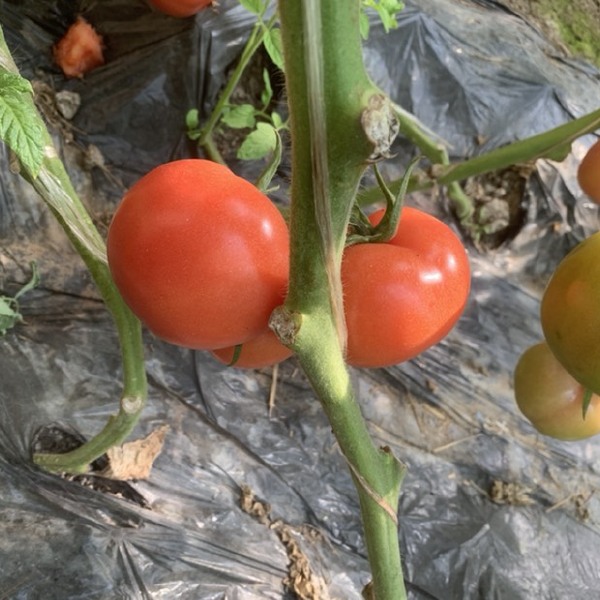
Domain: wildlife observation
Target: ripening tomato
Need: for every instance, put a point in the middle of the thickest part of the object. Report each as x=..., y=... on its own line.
x=570, y=312
x=403, y=296
x=180, y=8
x=588, y=173
x=262, y=351
x=80, y=50
x=551, y=399
x=199, y=254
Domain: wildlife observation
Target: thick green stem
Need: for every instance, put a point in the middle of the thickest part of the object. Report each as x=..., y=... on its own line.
x=54, y=186
x=329, y=92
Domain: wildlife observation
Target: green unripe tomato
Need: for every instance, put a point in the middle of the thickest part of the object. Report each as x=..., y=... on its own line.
x=570, y=313
x=551, y=399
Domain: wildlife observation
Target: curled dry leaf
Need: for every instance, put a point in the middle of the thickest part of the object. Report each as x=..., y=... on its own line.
x=134, y=460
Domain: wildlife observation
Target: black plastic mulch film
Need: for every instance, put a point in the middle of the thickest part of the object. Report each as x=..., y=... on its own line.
x=489, y=509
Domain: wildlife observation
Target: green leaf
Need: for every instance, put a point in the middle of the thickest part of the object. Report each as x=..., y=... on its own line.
x=274, y=47
x=387, y=10
x=267, y=93
x=259, y=142
x=254, y=6
x=20, y=128
x=277, y=120
x=240, y=116
x=192, y=119
x=14, y=83
x=9, y=307
x=9, y=314
x=192, y=122
x=265, y=178
x=6, y=306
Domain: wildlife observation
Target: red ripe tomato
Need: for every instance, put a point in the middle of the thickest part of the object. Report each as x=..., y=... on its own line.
x=80, y=50
x=551, y=399
x=588, y=173
x=180, y=8
x=199, y=254
x=262, y=351
x=403, y=296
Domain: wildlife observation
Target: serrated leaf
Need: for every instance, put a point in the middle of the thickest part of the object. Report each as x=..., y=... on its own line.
x=254, y=6
x=274, y=47
x=259, y=143
x=240, y=116
x=14, y=83
x=20, y=128
x=267, y=92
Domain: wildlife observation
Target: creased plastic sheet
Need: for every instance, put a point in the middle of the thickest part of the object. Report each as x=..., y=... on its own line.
x=490, y=509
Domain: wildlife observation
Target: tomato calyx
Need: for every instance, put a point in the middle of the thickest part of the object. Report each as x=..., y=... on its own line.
x=237, y=351
x=362, y=230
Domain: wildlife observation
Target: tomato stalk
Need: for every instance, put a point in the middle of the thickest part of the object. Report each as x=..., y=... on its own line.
x=553, y=144
x=436, y=152
x=331, y=100
x=53, y=184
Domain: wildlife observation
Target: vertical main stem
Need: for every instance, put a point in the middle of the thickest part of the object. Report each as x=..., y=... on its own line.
x=328, y=91
x=54, y=186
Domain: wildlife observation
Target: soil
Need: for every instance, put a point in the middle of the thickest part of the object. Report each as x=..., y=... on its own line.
x=570, y=24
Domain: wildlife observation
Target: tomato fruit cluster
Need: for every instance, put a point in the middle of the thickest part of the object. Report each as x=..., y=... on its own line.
x=202, y=258
x=199, y=254
x=403, y=296
x=551, y=398
x=551, y=379
x=588, y=173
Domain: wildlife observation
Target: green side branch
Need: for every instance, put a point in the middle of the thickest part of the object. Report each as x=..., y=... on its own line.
x=553, y=144
x=328, y=94
x=49, y=178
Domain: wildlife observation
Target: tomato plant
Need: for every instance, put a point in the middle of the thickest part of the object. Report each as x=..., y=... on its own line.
x=588, y=173
x=262, y=351
x=180, y=8
x=199, y=254
x=570, y=312
x=551, y=399
x=403, y=296
x=80, y=50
